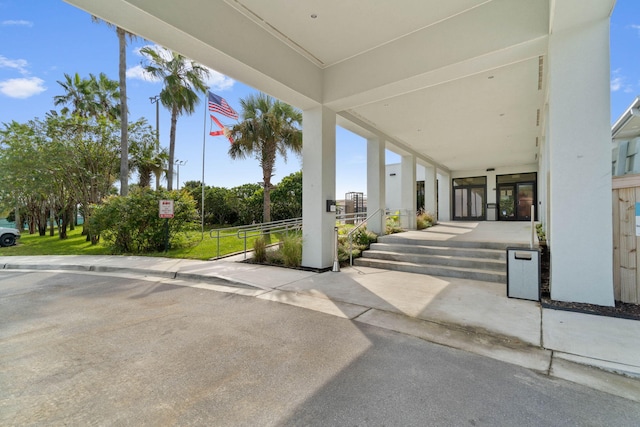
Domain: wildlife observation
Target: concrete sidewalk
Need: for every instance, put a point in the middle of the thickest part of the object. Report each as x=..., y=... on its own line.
x=469, y=315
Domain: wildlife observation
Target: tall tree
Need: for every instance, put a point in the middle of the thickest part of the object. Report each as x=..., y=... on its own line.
x=145, y=155
x=92, y=97
x=124, y=111
x=183, y=81
x=77, y=95
x=268, y=127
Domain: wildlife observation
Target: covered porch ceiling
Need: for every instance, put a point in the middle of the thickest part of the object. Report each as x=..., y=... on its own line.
x=459, y=83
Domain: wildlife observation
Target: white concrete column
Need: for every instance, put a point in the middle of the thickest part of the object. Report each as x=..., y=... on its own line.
x=376, y=197
x=580, y=165
x=430, y=189
x=543, y=168
x=318, y=186
x=408, y=192
x=444, y=197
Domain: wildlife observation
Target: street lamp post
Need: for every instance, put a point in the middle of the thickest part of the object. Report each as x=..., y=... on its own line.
x=179, y=163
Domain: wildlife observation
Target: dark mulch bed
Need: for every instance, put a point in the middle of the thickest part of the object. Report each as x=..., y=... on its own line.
x=621, y=310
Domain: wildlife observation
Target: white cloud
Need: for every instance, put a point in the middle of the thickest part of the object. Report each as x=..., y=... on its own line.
x=17, y=64
x=216, y=81
x=20, y=22
x=636, y=27
x=138, y=73
x=619, y=82
x=22, y=88
x=616, y=84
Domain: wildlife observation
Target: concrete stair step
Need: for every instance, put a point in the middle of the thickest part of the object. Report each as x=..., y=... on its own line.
x=434, y=270
x=441, y=260
x=400, y=239
x=495, y=254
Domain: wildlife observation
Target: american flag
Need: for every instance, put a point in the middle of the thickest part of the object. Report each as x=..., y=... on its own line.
x=217, y=104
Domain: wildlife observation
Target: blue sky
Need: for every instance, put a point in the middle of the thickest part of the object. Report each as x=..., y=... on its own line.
x=44, y=39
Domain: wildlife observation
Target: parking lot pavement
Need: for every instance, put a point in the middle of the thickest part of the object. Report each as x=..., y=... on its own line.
x=85, y=348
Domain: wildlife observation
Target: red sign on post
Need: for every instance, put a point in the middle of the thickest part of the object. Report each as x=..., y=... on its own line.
x=166, y=208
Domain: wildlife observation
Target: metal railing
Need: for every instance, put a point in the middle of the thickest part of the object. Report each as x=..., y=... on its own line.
x=245, y=232
x=351, y=218
x=357, y=227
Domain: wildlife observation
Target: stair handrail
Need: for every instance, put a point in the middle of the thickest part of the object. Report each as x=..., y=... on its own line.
x=243, y=232
x=354, y=229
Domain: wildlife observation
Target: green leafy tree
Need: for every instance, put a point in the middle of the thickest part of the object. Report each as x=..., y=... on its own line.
x=26, y=178
x=246, y=201
x=183, y=81
x=286, y=197
x=269, y=127
x=90, y=166
x=217, y=210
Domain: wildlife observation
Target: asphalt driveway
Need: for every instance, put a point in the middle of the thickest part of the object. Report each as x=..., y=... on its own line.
x=91, y=349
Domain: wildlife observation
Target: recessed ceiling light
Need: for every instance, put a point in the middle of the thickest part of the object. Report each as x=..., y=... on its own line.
x=490, y=77
x=314, y=16
x=501, y=114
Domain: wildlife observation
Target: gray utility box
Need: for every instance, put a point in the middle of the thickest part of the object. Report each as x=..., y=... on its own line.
x=523, y=273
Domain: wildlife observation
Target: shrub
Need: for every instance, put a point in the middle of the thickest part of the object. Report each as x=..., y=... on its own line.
x=260, y=250
x=424, y=220
x=542, y=236
x=361, y=239
x=364, y=237
x=393, y=224
x=131, y=224
x=291, y=249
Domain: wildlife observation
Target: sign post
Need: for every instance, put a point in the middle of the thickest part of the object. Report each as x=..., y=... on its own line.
x=165, y=209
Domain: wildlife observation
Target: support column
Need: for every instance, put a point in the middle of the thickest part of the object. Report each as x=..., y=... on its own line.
x=408, y=192
x=444, y=197
x=430, y=189
x=580, y=165
x=318, y=186
x=376, y=198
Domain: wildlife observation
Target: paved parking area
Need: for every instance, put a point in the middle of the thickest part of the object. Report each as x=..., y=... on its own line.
x=89, y=349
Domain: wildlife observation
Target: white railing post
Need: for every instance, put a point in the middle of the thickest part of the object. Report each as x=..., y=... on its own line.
x=533, y=225
x=336, y=261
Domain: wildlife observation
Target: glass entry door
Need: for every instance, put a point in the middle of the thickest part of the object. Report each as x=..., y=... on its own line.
x=515, y=201
x=469, y=198
x=525, y=196
x=469, y=203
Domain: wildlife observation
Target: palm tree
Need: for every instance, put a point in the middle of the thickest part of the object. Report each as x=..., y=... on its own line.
x=183, y=81
x=148, y=159
x=124, y=116
x=76, y=95
x=106, y=91
x=92, y=97
x=145, y=156
x=269, y=127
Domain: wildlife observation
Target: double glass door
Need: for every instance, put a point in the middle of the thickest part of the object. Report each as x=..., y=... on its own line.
x=469, y=198
x=515, y=201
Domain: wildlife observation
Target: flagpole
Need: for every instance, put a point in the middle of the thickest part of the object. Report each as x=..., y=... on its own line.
x=204, y=138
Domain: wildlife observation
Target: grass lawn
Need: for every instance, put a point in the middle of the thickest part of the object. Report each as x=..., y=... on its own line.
x=195, y=247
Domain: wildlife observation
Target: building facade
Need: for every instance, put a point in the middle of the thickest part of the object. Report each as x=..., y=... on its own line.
x=506, y=100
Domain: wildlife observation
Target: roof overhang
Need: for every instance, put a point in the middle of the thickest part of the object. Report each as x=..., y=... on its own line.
x=462, y=84
x=628, y=125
